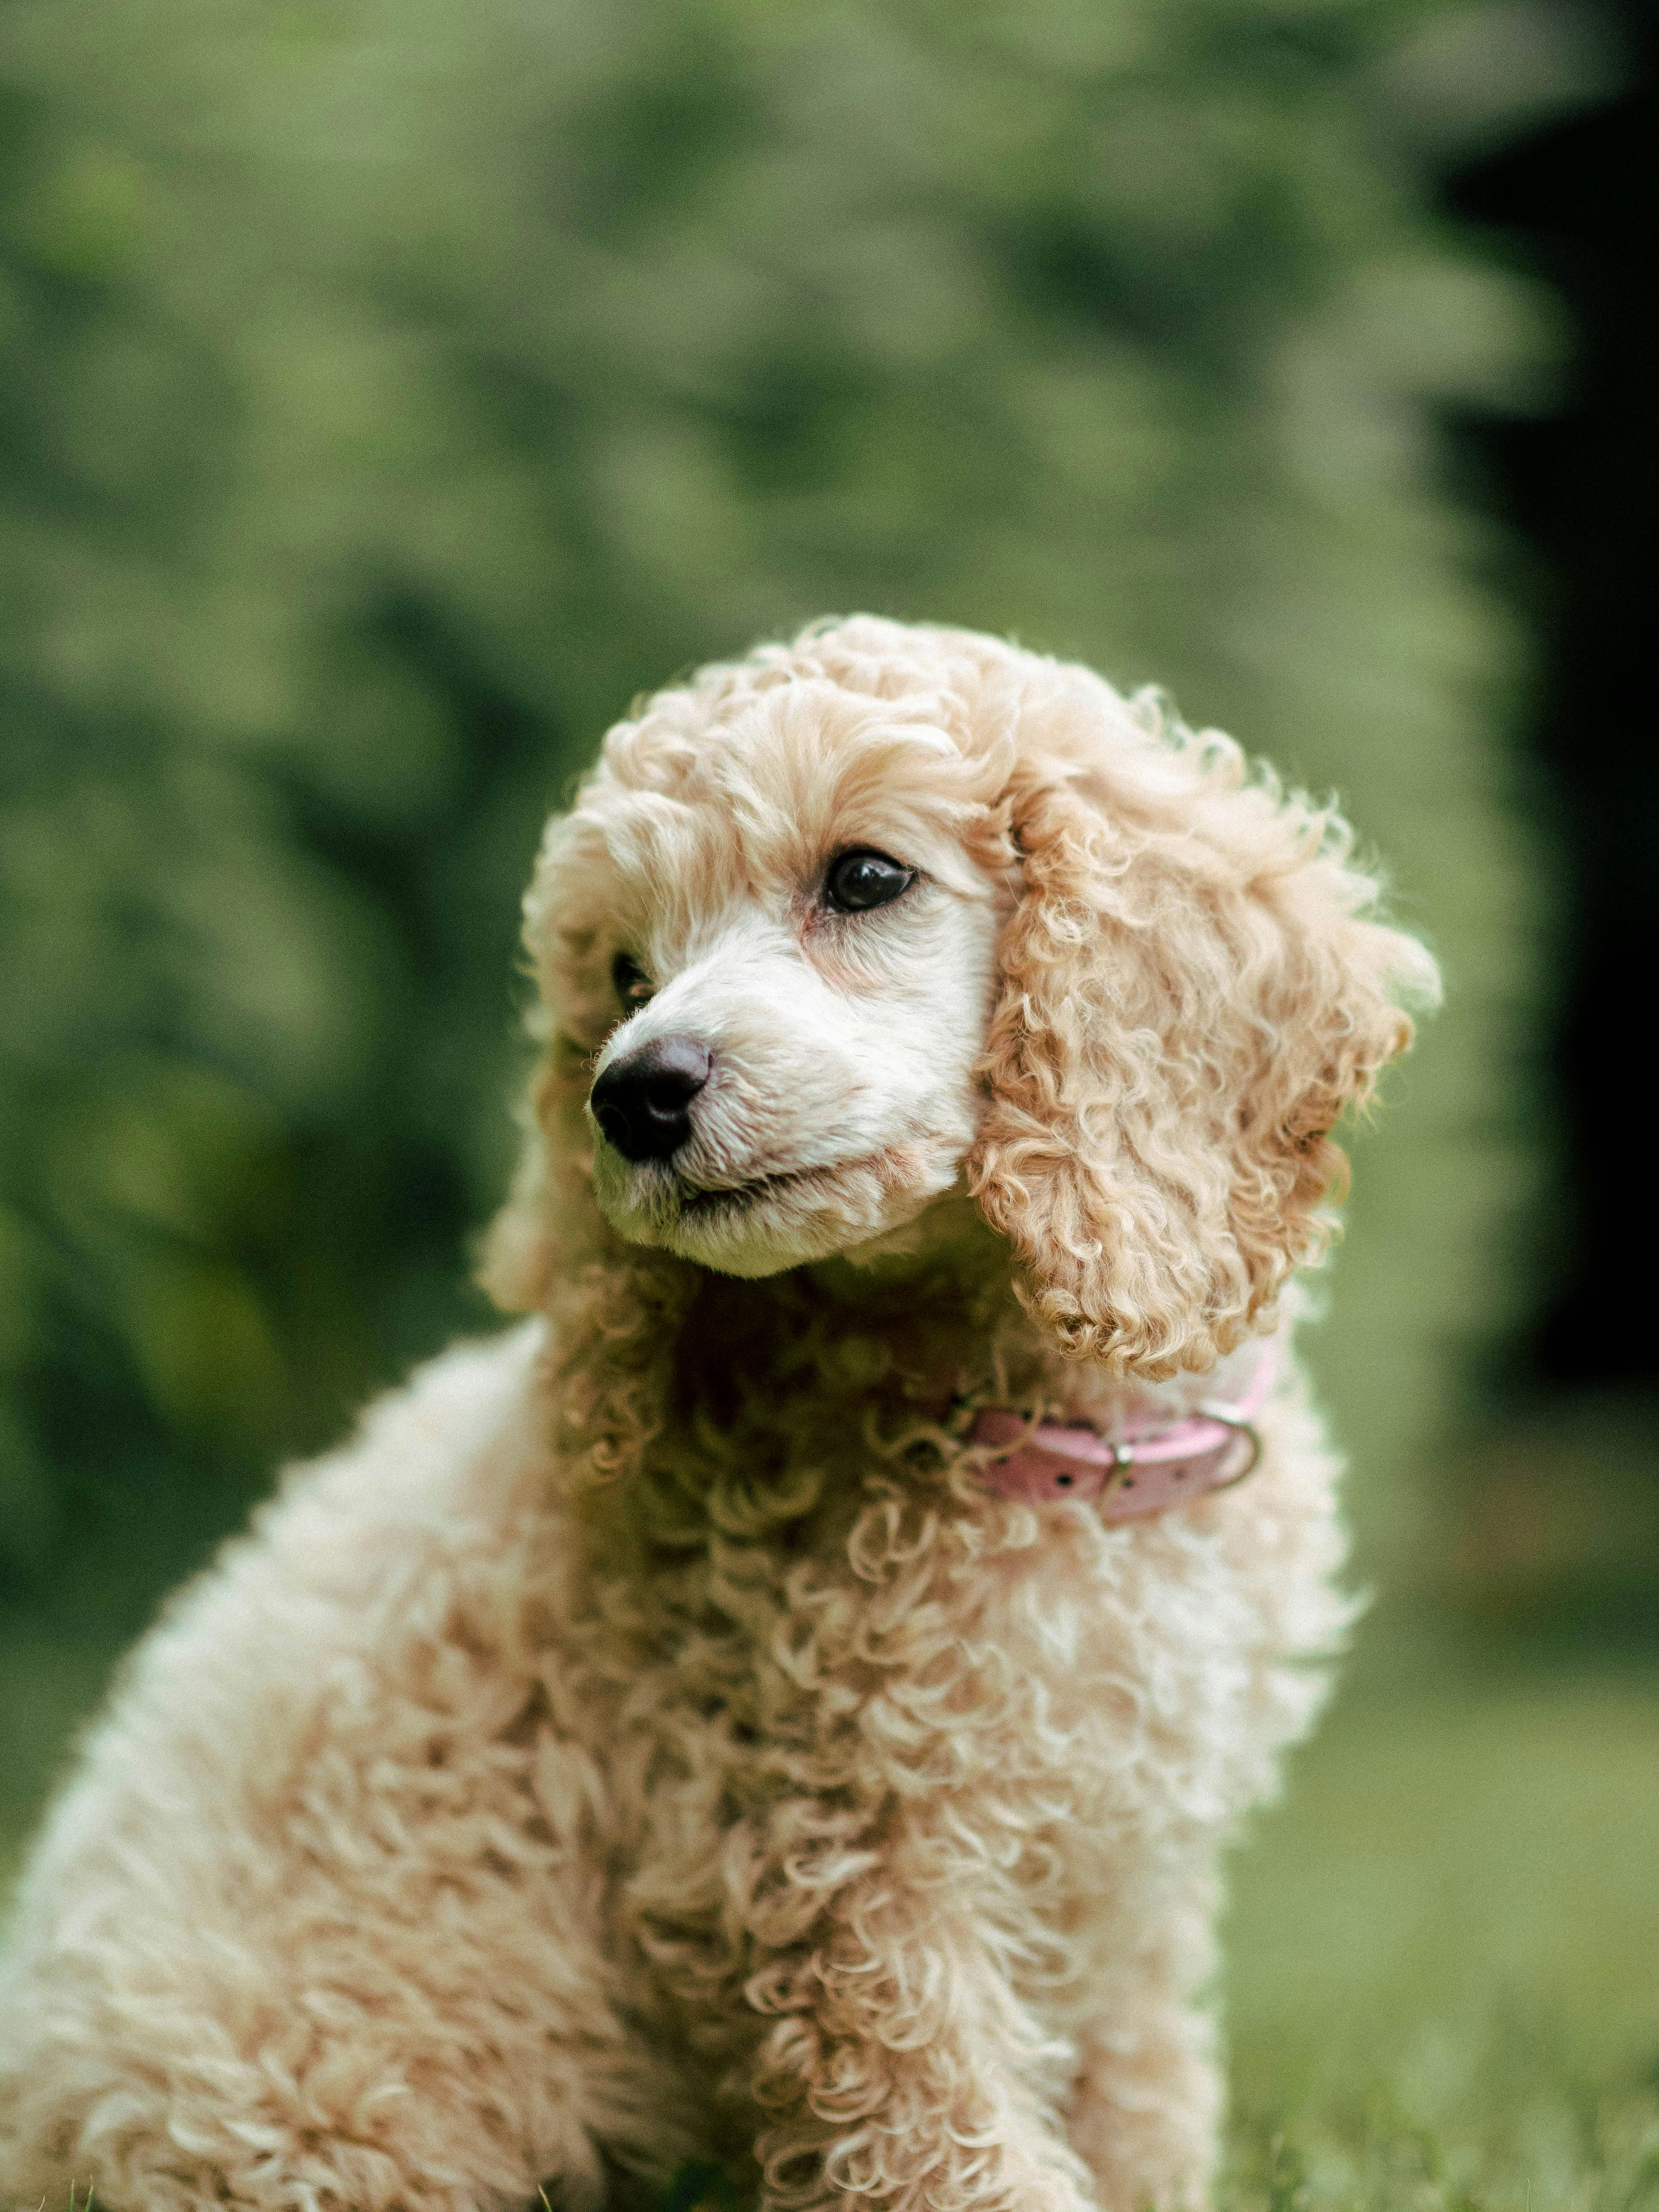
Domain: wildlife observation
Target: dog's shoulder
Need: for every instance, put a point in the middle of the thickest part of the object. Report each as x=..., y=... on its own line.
x=434, y=1481
x=435, y=1468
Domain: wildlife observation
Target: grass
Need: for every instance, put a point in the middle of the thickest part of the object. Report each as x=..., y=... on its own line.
x=1442, y=1951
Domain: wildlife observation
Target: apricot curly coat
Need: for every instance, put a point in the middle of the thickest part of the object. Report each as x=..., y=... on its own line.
x=650, y=1736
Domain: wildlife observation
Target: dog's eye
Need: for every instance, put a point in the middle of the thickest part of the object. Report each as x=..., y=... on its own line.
x=863, y=878
x=629, y=981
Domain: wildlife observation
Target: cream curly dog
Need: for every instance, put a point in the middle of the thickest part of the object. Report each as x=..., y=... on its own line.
x=749, y=1710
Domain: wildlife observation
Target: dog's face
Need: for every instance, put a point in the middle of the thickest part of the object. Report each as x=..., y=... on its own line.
x=836, y=929
x=785, y=967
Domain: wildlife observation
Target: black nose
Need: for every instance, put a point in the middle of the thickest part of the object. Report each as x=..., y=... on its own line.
x=643, y=1103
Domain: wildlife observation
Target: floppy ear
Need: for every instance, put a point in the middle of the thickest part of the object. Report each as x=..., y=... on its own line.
x=550, y=1184
x=1191, y=994
x=549, y=1215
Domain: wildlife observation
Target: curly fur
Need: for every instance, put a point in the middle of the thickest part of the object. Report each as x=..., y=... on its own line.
x=650, y=1737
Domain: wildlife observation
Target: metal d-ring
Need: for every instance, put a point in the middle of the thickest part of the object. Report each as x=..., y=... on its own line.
x=1124, y=1456
x=1230, y=1420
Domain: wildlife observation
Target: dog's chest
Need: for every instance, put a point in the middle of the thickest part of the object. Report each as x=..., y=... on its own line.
x=908, y=1693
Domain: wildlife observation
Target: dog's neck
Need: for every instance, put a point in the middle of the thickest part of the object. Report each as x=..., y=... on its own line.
x=862, y=1345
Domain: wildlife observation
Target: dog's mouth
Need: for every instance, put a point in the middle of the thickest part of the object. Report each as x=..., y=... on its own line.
x=715, y=1201
x=758, y=1223
x=773, y=1217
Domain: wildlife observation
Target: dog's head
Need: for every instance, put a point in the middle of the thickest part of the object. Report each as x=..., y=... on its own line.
x=860, y=921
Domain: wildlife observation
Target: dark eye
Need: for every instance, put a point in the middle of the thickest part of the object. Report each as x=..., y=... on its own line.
x=629, y=981
x=862, y=878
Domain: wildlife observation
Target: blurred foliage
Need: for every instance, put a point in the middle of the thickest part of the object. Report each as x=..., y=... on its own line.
x=391, y=389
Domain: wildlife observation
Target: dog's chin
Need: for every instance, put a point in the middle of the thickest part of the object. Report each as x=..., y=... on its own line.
x=787, y=1217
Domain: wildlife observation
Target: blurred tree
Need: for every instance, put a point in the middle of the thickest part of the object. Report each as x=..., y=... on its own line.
x=390, y=390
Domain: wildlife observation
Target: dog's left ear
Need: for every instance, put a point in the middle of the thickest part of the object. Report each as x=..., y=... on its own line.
x=1191, y=994
x=523, y=1245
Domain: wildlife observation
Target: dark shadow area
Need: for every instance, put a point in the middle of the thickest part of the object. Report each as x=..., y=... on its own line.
x=1575, y=204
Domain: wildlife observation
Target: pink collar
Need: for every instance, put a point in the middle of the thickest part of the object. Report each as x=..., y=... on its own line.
x=1146, y=1472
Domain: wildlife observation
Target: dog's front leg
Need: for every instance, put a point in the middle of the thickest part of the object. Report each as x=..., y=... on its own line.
x=1147, y=2106
x=903, y=2070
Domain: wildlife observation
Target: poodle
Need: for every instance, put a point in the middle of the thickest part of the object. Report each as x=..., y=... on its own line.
x=781, y=1702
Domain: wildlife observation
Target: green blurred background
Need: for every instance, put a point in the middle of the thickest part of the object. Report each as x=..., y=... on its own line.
x=389, y=392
